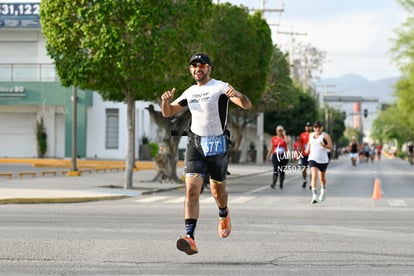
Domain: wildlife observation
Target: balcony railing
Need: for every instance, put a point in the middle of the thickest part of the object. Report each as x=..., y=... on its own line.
x=28, y=72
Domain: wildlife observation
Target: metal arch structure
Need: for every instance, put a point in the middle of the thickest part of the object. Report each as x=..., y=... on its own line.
x=357, y=121
x=349, y=99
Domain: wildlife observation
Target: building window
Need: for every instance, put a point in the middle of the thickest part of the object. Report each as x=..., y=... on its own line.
x=112, y=128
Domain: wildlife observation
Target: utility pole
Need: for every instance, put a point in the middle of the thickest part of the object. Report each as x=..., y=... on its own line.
x=291, y=34
x=260, y=118
x=326, y=107
x=326, y=92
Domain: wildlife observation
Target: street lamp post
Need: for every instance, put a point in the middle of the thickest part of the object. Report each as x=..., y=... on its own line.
x=259, y=148
x=74, y=170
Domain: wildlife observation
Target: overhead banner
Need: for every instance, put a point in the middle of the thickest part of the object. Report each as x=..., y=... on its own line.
x=20, y=15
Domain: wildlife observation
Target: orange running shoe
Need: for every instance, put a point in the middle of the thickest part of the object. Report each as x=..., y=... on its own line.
x=187, y=245
x=224, y=228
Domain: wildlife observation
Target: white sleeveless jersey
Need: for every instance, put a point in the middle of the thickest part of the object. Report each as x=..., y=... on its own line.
x=317, y=153
x=208, y=105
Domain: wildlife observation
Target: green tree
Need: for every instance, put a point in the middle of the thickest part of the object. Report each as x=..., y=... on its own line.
x=126, y=50
x=405, y=106
x=279, y=83
x=243, y=64
x=397, y=121
x=336, y=125
x=403, y=44
x=292, y=115
x=392, y=124
x=240, y=46
x=307, y=63
x=349, y=133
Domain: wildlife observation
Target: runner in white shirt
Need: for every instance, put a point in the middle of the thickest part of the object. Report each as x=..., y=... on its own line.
x=319, y=145
x=207, y=147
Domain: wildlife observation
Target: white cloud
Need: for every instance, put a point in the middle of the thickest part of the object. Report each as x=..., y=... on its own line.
x=355, y=33
x=356, y=42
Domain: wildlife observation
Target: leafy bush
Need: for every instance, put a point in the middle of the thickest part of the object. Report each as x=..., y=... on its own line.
x=41, y=138
x=401, y=154
x=154, y=149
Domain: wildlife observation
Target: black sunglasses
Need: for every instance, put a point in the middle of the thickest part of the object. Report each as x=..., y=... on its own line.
x=199, y=65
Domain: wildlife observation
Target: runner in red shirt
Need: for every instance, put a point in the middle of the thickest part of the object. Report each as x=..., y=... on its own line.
x=303, y=143
x=379, y=150
x=296, y=147
x=279, y=154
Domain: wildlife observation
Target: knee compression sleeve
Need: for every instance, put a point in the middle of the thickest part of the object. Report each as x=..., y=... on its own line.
x=217, y=182
x=198, y=175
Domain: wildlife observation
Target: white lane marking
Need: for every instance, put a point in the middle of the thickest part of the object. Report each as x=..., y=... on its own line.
x=151, y=199
x=207, y=200
x=241, y=199
x=258, y=189
x=397, y=203
x=176, y=200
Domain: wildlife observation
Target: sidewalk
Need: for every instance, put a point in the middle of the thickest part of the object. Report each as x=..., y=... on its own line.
x=97, y=185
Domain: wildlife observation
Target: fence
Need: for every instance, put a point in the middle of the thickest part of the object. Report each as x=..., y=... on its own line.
x=28, y=72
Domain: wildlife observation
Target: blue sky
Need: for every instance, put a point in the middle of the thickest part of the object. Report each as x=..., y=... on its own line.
x=355, y=33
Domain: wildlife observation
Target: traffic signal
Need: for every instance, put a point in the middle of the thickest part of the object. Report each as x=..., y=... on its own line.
x=344, y=114
x=365, y=113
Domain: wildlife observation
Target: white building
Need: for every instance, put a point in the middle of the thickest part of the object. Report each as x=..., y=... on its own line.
x=30, y=91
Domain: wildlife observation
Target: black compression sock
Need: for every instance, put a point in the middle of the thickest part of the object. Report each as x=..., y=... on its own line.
x=223, y=212
x=190, y=225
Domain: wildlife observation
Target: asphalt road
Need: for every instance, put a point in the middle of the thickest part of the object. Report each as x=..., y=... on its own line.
x=275, y=232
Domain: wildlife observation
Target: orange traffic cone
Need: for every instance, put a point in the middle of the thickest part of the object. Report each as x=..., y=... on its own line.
x=377, y=189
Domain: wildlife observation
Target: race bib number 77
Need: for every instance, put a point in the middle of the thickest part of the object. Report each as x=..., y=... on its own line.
x=213, y=145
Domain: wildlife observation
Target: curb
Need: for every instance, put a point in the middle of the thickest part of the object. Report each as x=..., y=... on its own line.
x=59, y=200
x=101, y=198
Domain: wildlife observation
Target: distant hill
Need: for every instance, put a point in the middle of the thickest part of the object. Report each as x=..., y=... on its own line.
x=355, y=85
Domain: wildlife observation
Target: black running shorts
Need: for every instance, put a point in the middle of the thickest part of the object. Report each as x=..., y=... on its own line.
x=215, y=166
x=320, y=166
